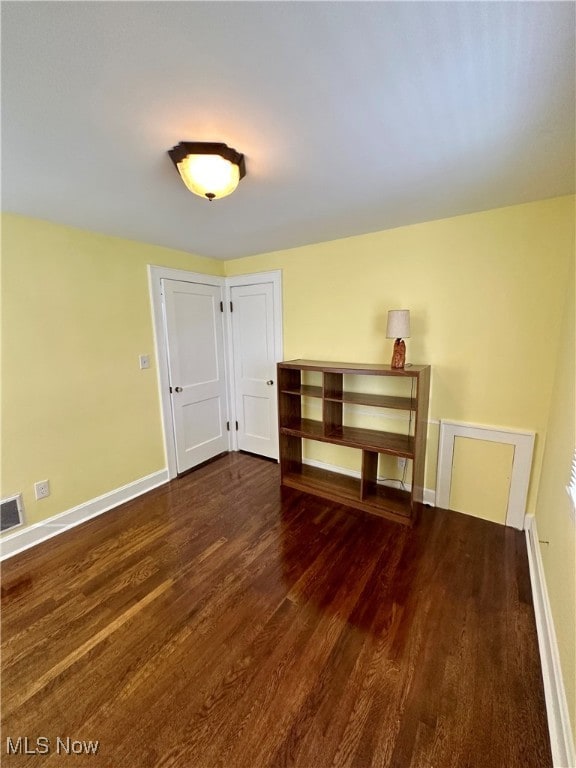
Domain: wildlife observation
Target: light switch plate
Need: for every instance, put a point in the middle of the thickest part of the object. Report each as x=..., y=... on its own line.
x=144, y=362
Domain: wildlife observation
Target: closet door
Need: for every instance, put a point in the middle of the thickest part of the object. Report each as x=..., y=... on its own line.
x=254, y=353
x=197, y=375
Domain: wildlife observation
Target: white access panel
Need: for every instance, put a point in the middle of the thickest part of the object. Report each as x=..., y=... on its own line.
x=523, y=442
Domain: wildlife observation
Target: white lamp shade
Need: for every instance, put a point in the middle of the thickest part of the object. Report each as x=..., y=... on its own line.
x=209, y=174
x=398, y=324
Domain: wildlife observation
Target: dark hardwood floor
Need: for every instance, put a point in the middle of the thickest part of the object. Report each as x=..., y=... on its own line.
x=218, y=622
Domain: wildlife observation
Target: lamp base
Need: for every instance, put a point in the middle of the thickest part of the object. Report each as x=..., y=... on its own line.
x=399, y=354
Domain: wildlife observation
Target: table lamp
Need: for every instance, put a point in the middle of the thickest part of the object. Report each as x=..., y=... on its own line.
x=398, y=328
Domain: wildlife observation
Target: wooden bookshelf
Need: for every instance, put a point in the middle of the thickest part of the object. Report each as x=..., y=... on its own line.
x=365, y=492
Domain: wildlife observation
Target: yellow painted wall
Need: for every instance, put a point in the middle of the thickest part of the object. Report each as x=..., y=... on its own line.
x=76, y=408
x=79, y=412
x=485, y=292
x=553, y=506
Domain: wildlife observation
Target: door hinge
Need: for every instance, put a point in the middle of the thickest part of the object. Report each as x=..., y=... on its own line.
x=221, y=306
x=236, y=426
x=171, y=390
x=231, y=307
x=228, y=426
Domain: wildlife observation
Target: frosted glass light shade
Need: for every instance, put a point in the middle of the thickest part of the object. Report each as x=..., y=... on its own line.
x=208, y=169
x=209, y=176
x=398, y=324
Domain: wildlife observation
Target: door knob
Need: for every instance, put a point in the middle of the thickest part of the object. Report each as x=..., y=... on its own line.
x=269, y=382
x=178, y=389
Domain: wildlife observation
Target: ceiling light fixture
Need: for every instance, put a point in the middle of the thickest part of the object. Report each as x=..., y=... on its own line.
x=208, y=169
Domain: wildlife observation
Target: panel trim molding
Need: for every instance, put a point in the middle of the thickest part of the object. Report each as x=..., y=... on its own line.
x=25, y=538
x=561, y=738
x=523, y=442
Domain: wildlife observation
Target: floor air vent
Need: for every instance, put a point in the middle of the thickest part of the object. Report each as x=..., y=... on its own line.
x=11, y=513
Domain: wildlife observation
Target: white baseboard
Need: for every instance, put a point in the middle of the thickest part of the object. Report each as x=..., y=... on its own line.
x=429, y=495
x=561, y=739
x=28, y=537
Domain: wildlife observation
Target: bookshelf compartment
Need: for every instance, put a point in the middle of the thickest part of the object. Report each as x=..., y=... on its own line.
x=323, y=482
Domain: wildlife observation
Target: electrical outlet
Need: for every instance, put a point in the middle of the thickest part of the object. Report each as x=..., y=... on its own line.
x=401, y=463
x=144, y=362
x=42, y=489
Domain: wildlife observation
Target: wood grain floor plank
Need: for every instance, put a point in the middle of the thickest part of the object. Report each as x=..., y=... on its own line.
x=222, y=622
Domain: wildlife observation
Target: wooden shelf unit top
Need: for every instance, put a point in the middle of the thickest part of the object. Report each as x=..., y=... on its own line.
x=356, y=369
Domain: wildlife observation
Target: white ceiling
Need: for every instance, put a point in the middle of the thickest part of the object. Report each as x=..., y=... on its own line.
x=353, y=116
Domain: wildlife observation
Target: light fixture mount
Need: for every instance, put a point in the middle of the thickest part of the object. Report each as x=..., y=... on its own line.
x=209, y=169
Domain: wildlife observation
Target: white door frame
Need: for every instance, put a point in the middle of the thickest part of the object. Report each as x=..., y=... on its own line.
x=254, y=278
x=155, y=276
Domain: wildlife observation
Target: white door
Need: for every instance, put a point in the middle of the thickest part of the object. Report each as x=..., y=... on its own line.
x=254, y=354
x=195, y=343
